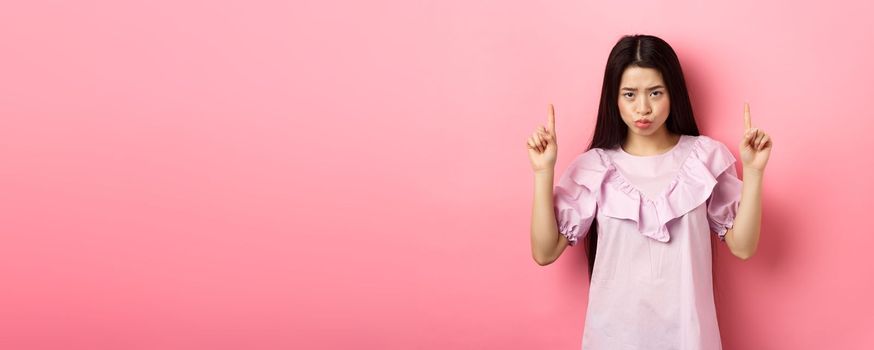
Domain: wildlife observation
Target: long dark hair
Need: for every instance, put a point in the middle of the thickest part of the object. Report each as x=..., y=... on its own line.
x=645, y=51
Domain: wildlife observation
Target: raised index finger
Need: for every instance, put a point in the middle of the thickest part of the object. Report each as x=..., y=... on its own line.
x=747, y=122
x=551, y=119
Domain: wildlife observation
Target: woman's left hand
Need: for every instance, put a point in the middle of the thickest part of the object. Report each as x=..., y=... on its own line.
x=755, y=147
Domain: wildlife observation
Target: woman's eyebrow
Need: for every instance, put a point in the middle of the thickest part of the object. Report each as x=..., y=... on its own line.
x=650, y=88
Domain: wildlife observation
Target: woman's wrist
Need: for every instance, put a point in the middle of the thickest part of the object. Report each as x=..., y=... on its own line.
x=544, y=173
x=753, y=172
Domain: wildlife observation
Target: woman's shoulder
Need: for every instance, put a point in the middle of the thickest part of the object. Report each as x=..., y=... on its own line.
x=714, y=154
x=593, y=159
x=711, y=145
x=588, y=168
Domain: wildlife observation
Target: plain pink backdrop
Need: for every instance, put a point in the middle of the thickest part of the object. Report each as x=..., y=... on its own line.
x=353, y=175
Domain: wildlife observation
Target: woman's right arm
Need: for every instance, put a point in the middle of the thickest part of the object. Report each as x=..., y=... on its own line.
x=546, y=242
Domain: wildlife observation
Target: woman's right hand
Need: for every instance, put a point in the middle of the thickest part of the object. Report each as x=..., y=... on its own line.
x=542, y=145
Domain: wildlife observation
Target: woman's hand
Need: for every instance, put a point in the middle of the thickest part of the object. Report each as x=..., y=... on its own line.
x=755, y=147
x=542, y=145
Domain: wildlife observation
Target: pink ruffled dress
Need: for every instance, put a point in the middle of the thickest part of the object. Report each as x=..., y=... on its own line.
x=652, y=282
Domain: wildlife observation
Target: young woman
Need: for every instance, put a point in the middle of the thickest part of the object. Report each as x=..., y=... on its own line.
x=645, y=196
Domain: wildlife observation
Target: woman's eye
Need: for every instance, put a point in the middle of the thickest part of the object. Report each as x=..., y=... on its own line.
x=657, y=92
x=627, y=94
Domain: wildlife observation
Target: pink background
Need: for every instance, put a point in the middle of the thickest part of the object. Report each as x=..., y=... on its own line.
x=339, y=175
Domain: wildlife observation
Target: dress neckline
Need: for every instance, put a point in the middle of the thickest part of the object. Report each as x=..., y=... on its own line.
x=627, y=186
x=672, y=150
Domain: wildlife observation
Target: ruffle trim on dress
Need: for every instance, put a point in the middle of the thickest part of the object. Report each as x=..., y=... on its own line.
x=691, y=186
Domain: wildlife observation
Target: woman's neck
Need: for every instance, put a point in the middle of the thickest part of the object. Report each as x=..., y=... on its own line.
x=648, y=145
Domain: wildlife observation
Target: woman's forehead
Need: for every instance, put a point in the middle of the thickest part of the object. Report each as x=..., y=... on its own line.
x=640, y=77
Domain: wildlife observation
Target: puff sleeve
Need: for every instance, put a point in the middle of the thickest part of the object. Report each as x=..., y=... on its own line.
x=725, y=198
x=574, y=196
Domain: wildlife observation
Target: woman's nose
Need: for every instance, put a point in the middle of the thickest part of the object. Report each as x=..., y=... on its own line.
x=643, y=108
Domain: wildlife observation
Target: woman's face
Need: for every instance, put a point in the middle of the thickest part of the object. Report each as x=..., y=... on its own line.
x=643, y=100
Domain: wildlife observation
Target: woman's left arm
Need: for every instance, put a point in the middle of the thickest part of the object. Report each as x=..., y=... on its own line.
x=755, y=149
